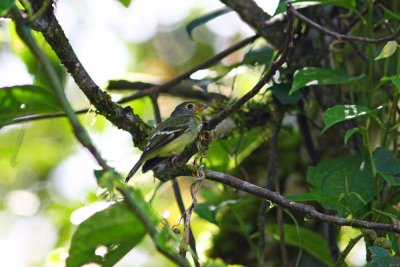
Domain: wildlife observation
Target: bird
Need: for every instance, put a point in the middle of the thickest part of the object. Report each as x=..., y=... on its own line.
x=171, y=136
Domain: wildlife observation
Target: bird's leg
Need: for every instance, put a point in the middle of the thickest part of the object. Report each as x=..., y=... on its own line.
x=174, y=158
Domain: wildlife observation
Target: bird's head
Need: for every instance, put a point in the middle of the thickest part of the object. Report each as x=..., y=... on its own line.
x=189, y=108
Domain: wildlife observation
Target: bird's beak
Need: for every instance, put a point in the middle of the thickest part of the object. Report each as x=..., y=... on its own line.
x=201, y=107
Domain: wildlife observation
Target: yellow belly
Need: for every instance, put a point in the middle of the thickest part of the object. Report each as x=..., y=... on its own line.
x=176, y=146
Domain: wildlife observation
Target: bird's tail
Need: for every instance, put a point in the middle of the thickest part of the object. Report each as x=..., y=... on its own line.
x=133, y=171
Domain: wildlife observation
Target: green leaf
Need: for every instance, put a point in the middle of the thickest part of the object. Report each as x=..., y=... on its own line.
x=23, y=100
x=204, y=19
x=349, y=4
x=225, y=154
x=394, y=79
x=259, y=56
x=388, y=50
x=347, y=179
x=125, y=3
x=207, y=212
x=349, y=133
x=5, y=5
x=212, y=212
x=341, y=113
x=319, y=76
x=382, y=258
x=116, y=228
x=281, y=92
x=310, y=241
x=387, y=165
x=389, y=14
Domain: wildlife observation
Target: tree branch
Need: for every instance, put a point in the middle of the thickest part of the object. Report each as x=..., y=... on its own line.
x=304, y=209
x=340, y=36
x=256, y=18
x=211, y=61
x=123, y=117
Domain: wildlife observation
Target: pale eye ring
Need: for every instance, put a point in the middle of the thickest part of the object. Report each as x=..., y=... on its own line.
x=189, y=106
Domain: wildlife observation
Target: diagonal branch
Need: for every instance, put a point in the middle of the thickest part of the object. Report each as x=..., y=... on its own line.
x=211, y=61
x=303, y=209
x=211, y=124
x=122, y=117
x=340, y=36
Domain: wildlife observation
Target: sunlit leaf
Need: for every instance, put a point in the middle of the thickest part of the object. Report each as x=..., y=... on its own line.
x=348, y=179
x=126, y=3
x=259, y=56
x=387, y=165
x=315, y=244
x=116, y=229
x=341, y=113
x=5, y=5
x=388, y=50
x=319, y=76
x=204, y=19
x=382, y=258
x=23, y=100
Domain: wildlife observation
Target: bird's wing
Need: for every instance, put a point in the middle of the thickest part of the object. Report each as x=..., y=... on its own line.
x=163, y=136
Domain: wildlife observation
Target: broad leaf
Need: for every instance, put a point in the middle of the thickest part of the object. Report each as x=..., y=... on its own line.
x=115, y=228
x=259, y=56
x=281, y=92
x=204, y=19
x=319, y=76
x=388, y=50
x=125, y=3
x=394, y=79
x=207, y=212
x=5, y=5
x=382, y=258
x=310, y=241
x=341, y=113
x=387, y=165
x=347, y=179
x=23, y=100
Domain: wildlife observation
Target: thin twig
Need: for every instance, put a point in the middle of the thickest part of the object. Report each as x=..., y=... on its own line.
x=340, y=36
x=181, y=205
x=211, y=61
x=272, y=176
x=264, y=80
x=347, y=250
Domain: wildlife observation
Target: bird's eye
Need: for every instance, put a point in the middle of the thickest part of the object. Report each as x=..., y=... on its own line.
x=189, y=106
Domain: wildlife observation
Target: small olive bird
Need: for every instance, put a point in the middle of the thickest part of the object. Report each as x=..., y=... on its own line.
x=171, y=136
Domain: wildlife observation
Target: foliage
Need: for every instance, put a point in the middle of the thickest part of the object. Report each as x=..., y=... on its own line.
x=323, y=131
